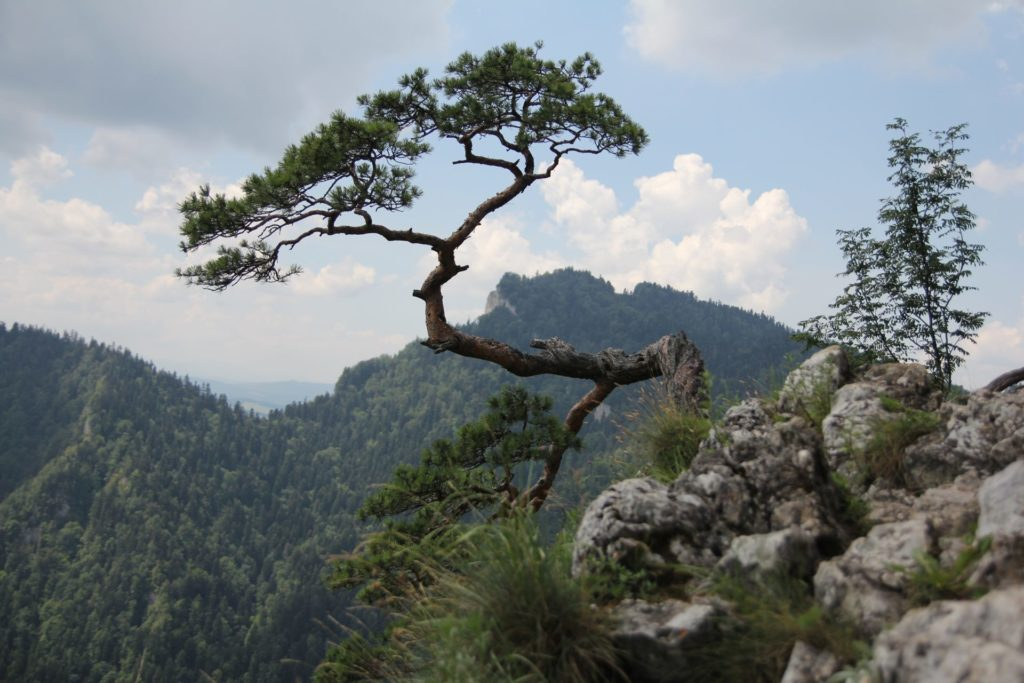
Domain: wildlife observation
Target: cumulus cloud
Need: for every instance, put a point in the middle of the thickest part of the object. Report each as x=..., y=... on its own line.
x=69, y=264
x=75, y=232
x=253, y=74
x=45, y=167
x=995, y=177
x=498, y=246
x=341, y=278
x=752, y=36
x=688, y=229
x=999, y=348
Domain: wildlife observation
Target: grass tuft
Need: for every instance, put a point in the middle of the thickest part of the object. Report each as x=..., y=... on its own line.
x=663, y=436
x=515, y=614
x=930, y=581
x=766, y=619
x=882, y=457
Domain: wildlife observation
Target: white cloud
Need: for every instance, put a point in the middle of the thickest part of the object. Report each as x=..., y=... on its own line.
x=498, y=246
x=747, y=36
x=688, y=229
x=999, y=349
x=995, y=177
x=254, y=74
x=74, y=233
x=140, y=149
x=44, y=168
x=342, y=278
x=68, y=264
x=158, y=206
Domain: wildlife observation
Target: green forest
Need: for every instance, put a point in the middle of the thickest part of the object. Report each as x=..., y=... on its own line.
x=151, y=531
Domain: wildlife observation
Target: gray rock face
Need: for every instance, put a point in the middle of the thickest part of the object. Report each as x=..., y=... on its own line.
x=1001, y=499
x=759, y=500
x=857, y=407
x=984, y=435
x=957, y=642
x=644, y=522
x=1002, y=503
x=809, y=665
x=657, y=639
x=863, y=584
x=751, y=476
x=814, y=381
x=789, y=551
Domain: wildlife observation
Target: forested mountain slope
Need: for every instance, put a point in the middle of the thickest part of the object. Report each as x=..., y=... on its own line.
x=149, y=531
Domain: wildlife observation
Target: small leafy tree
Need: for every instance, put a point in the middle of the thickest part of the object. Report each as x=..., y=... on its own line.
x=507, y=111
x=900, y=303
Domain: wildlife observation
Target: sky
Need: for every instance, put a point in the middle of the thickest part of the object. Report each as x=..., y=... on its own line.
x=768, y=133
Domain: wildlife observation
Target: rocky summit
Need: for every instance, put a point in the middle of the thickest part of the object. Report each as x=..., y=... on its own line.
x=898, y=514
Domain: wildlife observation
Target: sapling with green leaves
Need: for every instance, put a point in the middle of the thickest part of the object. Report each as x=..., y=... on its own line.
x=901, y=303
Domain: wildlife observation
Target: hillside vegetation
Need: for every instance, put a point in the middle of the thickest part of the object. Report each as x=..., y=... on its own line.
x=151, y=531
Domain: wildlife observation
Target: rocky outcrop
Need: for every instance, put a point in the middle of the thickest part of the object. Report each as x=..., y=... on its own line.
x=983, y=435
x=760, y=500
x=866, y=584
x=661, y=639
x=956, y=642
x=858, y=408
x=753, y=476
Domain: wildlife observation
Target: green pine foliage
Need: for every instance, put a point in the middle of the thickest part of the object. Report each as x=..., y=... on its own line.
x=472, y=475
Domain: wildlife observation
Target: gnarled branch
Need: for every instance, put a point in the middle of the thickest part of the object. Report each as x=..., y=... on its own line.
x=1005, y=380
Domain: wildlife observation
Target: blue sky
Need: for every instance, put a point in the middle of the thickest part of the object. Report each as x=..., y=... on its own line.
x=767, y=125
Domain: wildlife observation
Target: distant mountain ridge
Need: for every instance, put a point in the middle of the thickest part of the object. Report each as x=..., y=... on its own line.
x=151, y=531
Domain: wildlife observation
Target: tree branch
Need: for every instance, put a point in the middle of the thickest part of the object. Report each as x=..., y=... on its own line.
x=1005, y=380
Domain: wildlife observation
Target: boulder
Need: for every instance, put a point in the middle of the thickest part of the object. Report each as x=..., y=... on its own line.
x=865, y=584
x=789, y=552
x=857, y=409
x=657, y=641
x=752, y=475
x=958, y=641
x=645, y=523
x=809, y=665
x=814, y=382
x=1001, y=499
x=983, y=435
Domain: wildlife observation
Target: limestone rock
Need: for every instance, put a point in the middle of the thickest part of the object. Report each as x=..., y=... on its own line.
x=957, y=642
x=752, y=476
x=1002, y=518
x=1002, y=502
x=814, y=381
x=657, y=639
x=788, y=551
x=864, y=583
x=809, y=665
x=857, y=408
x=643, y=520
x=983, y=435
